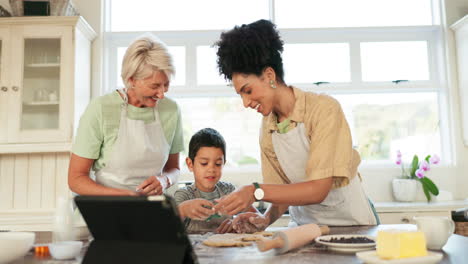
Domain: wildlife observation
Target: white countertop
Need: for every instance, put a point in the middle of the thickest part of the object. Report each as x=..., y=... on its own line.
x=420, y=206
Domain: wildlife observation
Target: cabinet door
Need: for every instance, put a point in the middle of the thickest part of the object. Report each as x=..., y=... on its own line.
x=42, y=85
x=4, y=83
x=407, y=217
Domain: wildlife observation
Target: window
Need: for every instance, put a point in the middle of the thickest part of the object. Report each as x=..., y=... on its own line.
x=356, y=13
x=173, y=15
x=387, y=61
x=239, y=126
x=385, y=123
x=309, y=63
x=385, y=70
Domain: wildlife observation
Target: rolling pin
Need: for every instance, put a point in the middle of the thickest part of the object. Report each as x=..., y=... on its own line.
x=292, y=238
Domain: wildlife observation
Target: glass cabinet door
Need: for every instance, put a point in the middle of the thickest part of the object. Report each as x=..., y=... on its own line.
x=39, y=100
x=40, y=97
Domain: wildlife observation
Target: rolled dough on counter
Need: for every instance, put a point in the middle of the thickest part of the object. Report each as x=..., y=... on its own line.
x=235, y=240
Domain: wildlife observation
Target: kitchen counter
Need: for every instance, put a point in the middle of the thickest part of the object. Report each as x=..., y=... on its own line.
x=454, y=251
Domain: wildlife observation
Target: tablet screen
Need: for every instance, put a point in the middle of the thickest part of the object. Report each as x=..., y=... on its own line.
x=132, y=218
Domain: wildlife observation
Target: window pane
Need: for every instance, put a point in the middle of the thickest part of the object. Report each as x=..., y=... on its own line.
x=178, y=56
x=384, y=123
x=318, y=62
x=239, y=126
x=388, y=61
x=207, y=69
x=355, y=13
x=157, y=15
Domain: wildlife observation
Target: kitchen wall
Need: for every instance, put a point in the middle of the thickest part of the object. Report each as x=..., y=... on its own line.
x=453, y=178
x=452, y=12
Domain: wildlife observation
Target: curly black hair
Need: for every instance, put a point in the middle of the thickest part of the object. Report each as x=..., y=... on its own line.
x=249, y=49
x=206, y=137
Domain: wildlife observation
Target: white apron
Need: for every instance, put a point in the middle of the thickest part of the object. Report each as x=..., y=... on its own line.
x=140, y=151
x=343, y=206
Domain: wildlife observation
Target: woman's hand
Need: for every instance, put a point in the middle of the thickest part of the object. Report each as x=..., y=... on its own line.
x=250, y=223
x=150, y=186
x=237, y=201
x=225, y=227
x=198, y=209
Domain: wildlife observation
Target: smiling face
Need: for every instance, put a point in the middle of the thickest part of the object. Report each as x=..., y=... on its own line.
x=256, y=92
x=207, y=167
x=146, y=92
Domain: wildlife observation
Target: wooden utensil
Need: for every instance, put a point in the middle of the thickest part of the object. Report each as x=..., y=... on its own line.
x=292, y=238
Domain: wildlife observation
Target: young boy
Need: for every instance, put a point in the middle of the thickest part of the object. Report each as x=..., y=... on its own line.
x=207, y=156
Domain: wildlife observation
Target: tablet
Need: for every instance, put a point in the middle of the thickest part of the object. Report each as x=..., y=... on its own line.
x=149, y=224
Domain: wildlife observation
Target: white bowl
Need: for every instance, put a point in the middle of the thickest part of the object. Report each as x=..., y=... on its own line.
x=14, y=245
x=65, y=249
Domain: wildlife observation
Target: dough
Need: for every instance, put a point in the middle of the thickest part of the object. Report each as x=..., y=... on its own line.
x=235, y=240
x=264, y=233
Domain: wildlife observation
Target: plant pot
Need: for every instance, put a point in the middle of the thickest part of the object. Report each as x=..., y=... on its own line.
x=404, y=190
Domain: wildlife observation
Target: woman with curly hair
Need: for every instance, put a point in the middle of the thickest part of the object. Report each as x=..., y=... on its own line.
x=308, y=162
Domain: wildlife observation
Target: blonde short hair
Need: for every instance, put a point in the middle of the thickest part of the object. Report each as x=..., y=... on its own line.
x=144, y=56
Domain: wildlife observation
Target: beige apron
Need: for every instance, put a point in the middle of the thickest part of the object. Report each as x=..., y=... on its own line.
x=140, y=151
x=202, y=226
x=343, y=206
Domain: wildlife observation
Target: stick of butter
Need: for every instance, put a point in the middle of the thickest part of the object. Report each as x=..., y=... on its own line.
x=396, y=244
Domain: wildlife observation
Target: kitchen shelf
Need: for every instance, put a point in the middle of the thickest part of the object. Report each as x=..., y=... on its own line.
x=43, y=65
x=41, y=103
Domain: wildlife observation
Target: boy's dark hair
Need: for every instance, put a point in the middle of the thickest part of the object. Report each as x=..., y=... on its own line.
x=206, y=137
x=250, y=49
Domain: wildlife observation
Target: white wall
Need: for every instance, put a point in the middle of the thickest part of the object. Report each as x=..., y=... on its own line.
x=91, y=10
x=455, y=10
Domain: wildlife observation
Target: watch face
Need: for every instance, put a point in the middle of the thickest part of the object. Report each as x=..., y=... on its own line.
x=259, y=194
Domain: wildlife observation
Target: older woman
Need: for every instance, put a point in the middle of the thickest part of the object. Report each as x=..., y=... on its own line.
x=131, y=138
x=308, y=162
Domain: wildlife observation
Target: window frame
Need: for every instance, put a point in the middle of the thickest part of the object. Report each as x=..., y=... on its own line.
x=191, y=39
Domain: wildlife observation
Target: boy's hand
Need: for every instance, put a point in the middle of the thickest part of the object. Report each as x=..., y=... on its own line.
x=198, y=209
x=225, y=227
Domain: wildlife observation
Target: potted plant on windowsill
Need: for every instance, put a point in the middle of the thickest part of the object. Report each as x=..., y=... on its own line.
x=405, y=187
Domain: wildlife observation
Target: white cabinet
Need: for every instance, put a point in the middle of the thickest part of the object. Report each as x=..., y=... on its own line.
x=392, y=218
x=461, y=38
x=403, y=213
x=44, y=81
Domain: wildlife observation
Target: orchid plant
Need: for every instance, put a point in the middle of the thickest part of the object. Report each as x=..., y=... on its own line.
x=418, y=170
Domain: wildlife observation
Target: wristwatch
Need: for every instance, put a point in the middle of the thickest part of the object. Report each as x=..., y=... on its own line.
x=258, y=193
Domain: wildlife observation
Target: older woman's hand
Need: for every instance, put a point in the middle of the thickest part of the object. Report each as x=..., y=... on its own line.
x=237, y=201
x=249, y=223
x=150, y=186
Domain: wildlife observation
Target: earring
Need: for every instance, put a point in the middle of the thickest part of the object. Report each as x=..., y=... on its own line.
x=272, y=84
